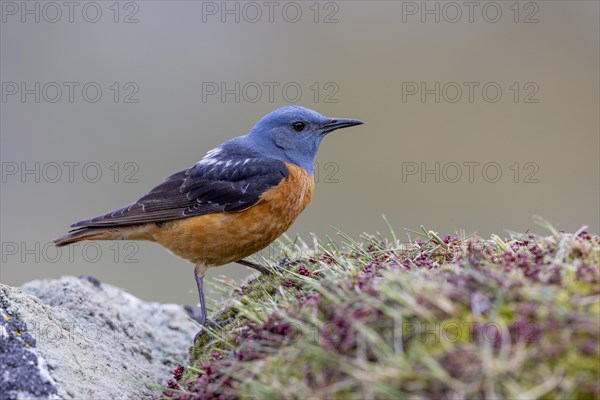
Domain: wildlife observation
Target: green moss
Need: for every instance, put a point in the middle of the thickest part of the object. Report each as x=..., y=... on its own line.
x=451, y=317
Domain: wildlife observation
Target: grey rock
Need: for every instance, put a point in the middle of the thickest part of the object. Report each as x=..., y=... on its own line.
x=23, y=373
x=97, y=340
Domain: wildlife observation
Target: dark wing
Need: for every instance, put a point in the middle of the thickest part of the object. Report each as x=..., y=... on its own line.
x=207, y=187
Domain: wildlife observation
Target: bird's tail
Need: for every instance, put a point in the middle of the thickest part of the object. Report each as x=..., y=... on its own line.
x=84, y=234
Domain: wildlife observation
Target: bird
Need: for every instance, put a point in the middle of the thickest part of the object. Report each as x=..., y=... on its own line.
x=234, y=202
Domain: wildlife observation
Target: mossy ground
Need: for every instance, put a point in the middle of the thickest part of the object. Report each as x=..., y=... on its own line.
x=453, y=317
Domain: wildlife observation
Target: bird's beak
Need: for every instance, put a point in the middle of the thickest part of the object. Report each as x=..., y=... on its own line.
x=338, y=123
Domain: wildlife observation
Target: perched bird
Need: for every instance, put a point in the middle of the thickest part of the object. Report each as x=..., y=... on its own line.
x=235, y=201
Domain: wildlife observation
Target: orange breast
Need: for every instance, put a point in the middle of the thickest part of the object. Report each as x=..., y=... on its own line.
x=217, y=239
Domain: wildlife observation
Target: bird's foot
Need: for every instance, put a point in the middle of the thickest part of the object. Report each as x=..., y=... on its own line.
x=286, y=264
x=204, y=330
x=208, y=324
x=196, y=315
x=205, y=324
x=281, y=266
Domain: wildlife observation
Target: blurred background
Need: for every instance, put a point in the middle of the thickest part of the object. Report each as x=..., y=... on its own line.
x=478, y=116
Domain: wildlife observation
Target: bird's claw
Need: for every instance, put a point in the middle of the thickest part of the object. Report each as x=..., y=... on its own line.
x=208, y=324
x=286, y=263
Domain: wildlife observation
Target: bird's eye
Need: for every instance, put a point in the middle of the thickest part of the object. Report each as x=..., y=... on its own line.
x=298, y=126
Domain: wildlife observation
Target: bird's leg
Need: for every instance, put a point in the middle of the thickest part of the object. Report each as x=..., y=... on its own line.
x=199, y=272
x=203, y=320
x=258, y=267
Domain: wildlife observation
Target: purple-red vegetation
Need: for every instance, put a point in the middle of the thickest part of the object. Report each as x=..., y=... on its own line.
x=525, y=294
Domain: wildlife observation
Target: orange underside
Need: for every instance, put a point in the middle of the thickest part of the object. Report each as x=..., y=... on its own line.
x=217, y=239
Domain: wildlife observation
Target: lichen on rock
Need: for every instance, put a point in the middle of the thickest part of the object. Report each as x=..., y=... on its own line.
x=98, y=341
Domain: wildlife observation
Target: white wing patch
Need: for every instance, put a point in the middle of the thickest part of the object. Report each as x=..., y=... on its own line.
x=212, y=157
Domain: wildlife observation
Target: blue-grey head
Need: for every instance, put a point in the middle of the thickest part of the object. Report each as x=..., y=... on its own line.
x=293, y=134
